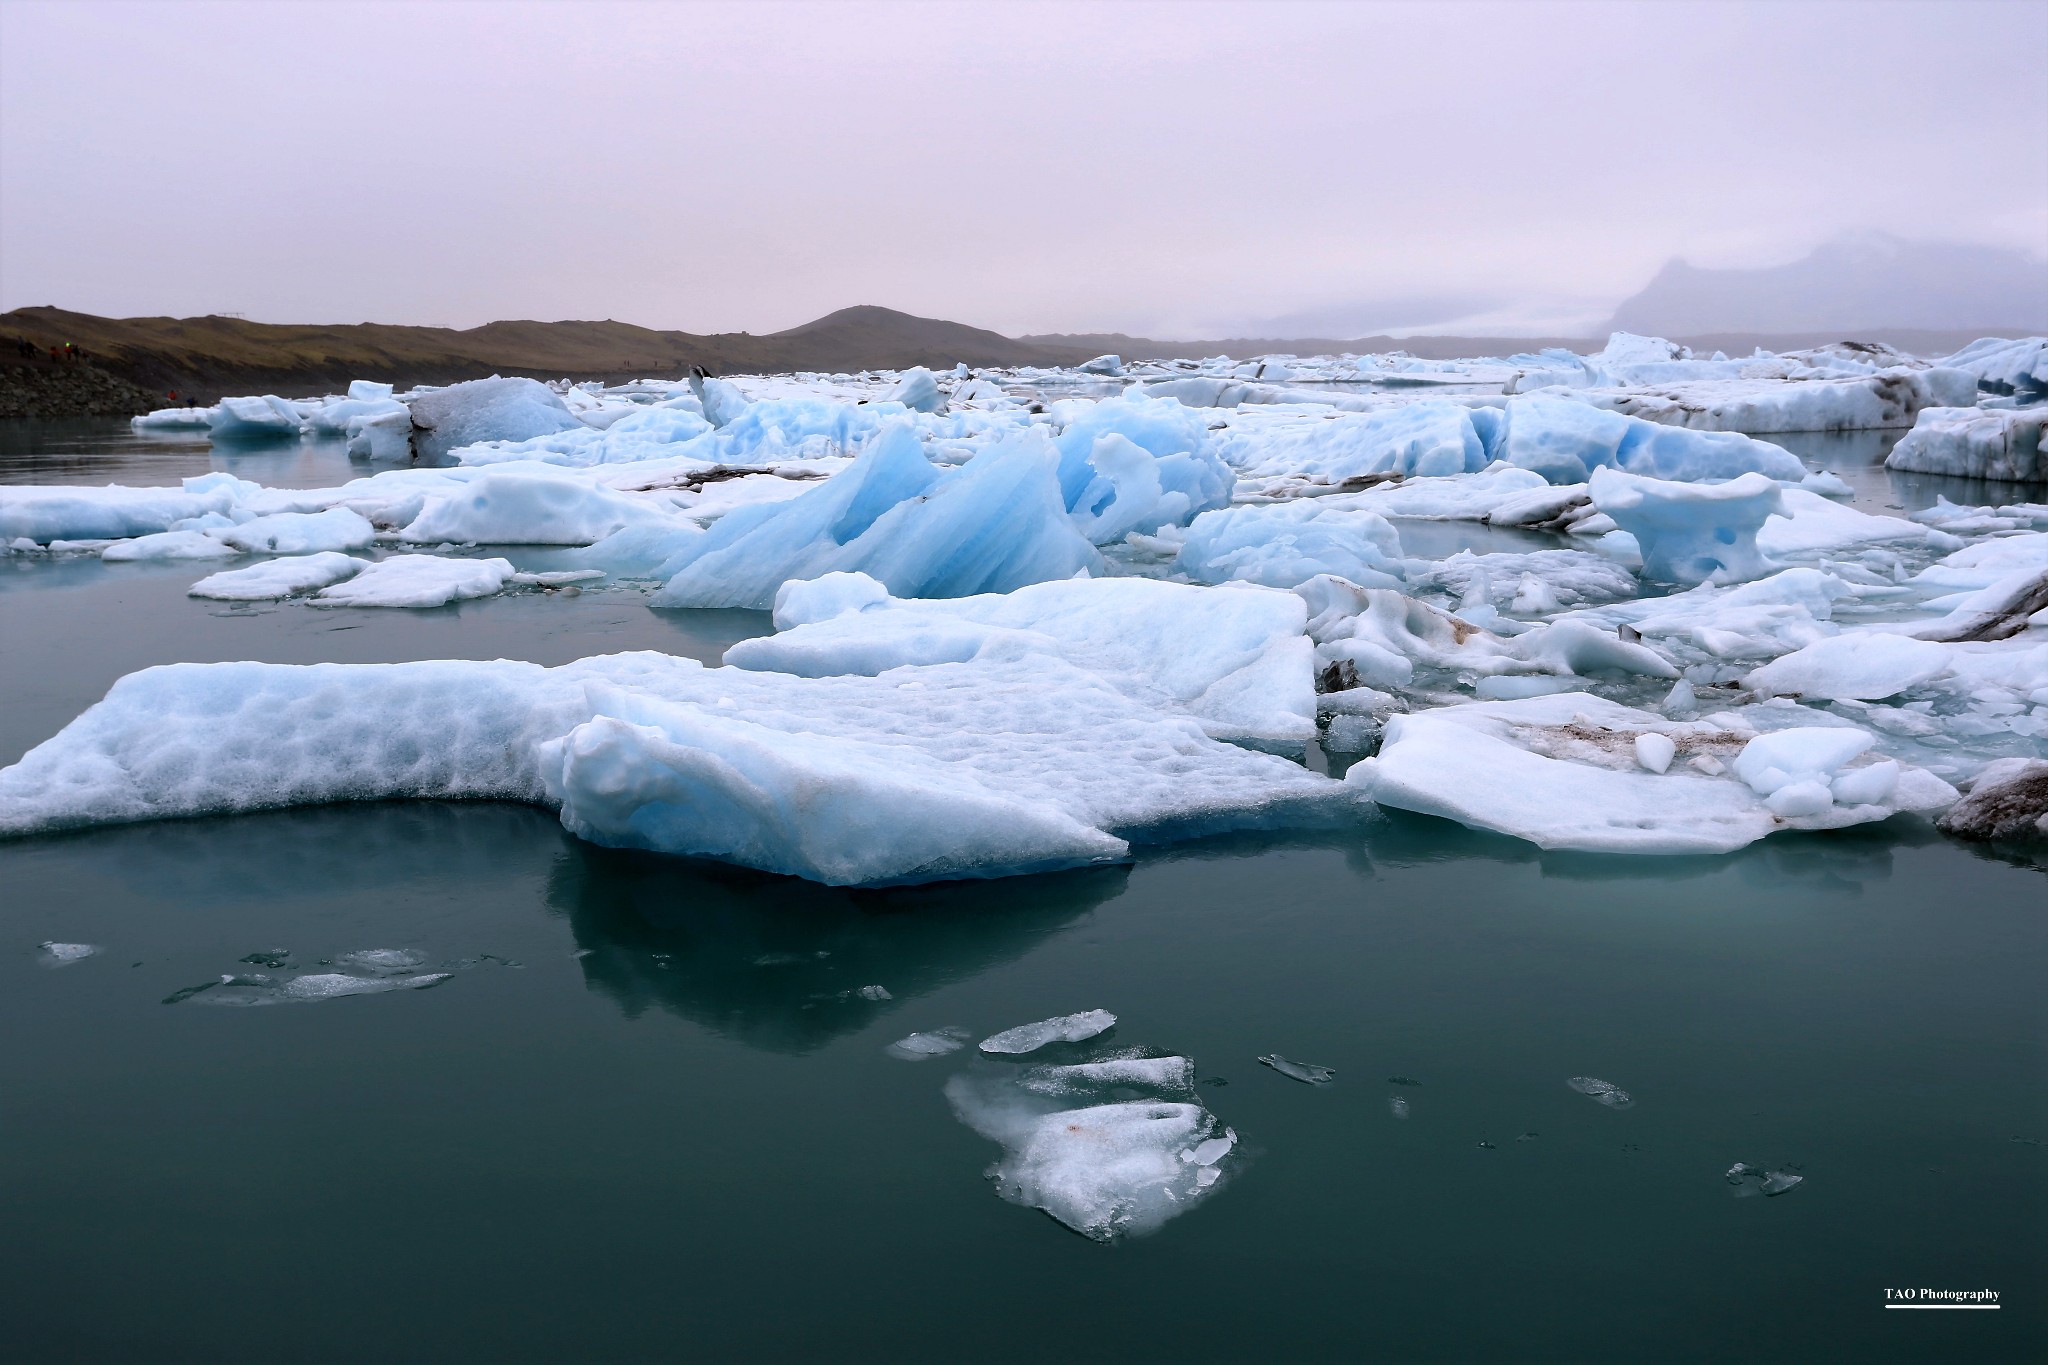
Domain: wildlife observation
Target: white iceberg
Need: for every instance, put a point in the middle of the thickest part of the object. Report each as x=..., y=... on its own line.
x=1975, y=443
x=279, y=577
x=417, y=581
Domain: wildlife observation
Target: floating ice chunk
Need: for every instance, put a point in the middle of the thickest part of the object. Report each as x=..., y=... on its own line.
x=1654, y=751
x=1152, y=1073
x=1987, y=562
x=1689, y=532
x=1102, y=364
x=382, y=961
x=64, y=954
x=1607, y=1093
x=1750, y=1179
x=506, y=508
x=2008, y=800
x=279, y=577
x=1300, y=1071
x=876, y=993
x=1976, y=443
x=299, y=533
x=1561, y=772
x=995, y=524
x=1065, y=1028
x=1105, y=1171
x=485, y=410
x=1860, y=665
x=1285, y=544
x=258, y=989
x=1397, y=1106
x=1233, y=658
x=418, y=581
x=1565, y=440
x=168, y=545
x=46, y=513
x=173, y=419
x=918, y=390
x=919, y=1046
x=265, y=418
x=1805, y=753
x=1431, y=439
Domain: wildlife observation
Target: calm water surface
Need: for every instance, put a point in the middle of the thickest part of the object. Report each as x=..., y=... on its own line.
x=668, y=1133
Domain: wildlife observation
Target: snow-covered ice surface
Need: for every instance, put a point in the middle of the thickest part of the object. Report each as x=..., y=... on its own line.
x=1026, y=616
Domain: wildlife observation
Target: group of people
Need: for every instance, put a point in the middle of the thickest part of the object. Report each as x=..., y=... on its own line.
x=30, y=351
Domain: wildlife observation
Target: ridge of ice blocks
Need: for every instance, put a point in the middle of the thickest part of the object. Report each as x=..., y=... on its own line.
x=484, y=410
x=417, y=581
x=1607, y=1093
x=1562, y=772
x=1140, y=1153
x=1065, y=1028
x=943, y=771
x=279, y=577
x=1284, y=544
x=1690, y=532
x=1234, y=659
x=994, y=524
x=1977, y=443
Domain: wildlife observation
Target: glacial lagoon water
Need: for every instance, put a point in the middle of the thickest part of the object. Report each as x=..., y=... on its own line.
x=651, y=1115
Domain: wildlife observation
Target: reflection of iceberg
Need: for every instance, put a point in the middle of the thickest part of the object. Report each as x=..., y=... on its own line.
x=778, y=963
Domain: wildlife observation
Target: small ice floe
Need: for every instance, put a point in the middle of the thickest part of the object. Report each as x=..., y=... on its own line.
x=1105, y=1170
x=1175, y=1074
x=64, y=954
x=380, y=961
x=273, y=958
x=1402, y=1080
x=1397, y=1106
x=1751, y=1180
x=1300, y=1071
x=1067, y=1028
x=918, y=1046
x=255, y=988
x=1527, y=1137
x=874, y=993
x=1609, y=1094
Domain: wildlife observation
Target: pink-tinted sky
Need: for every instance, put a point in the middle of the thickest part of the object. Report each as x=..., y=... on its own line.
x=1179, y=169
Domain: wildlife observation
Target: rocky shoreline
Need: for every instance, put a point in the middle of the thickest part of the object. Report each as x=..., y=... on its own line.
x=69, y=388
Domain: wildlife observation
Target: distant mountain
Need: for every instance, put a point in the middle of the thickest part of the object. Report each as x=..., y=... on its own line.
x=1863, y=283
x=209, y=356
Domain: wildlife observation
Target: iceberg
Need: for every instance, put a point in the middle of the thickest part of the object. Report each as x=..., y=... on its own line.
x=1691, y=532
x=1565, y=440
x=300, y=533
x=952, y=770
x=2001, y=366
x=279, y=577
x=1977, y=443
x=1066, y=1028
x=1282, y=545
x=484, y=410
x=1561, y=772
x=508, y=508
x=249, y=420
x=43, y=513
x=417, y=581
x=1234, y=659
x=994, y=524
x=163, y=545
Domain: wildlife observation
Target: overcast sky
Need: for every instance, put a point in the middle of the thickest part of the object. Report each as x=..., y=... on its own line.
x=1174, y=170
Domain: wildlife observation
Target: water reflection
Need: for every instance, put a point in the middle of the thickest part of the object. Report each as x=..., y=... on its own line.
x=779, y=963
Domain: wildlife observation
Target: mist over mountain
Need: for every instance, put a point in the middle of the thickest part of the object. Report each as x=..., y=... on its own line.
x=1855, y=283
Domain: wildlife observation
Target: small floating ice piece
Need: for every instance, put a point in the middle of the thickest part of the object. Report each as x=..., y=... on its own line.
x=258, y=989
x=1654, y=751
x=1402, y=1080
x=1609, y=1094
x=1397, y=1106
x=64, y=954
x=1300, y=1071
x=1157, y=1073
x=1213, y=1150
x=269, y=957
x=1766, y=1183
x=1067, y=1028
x=874, y=993
x=937, y=1043
x=380, y=961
